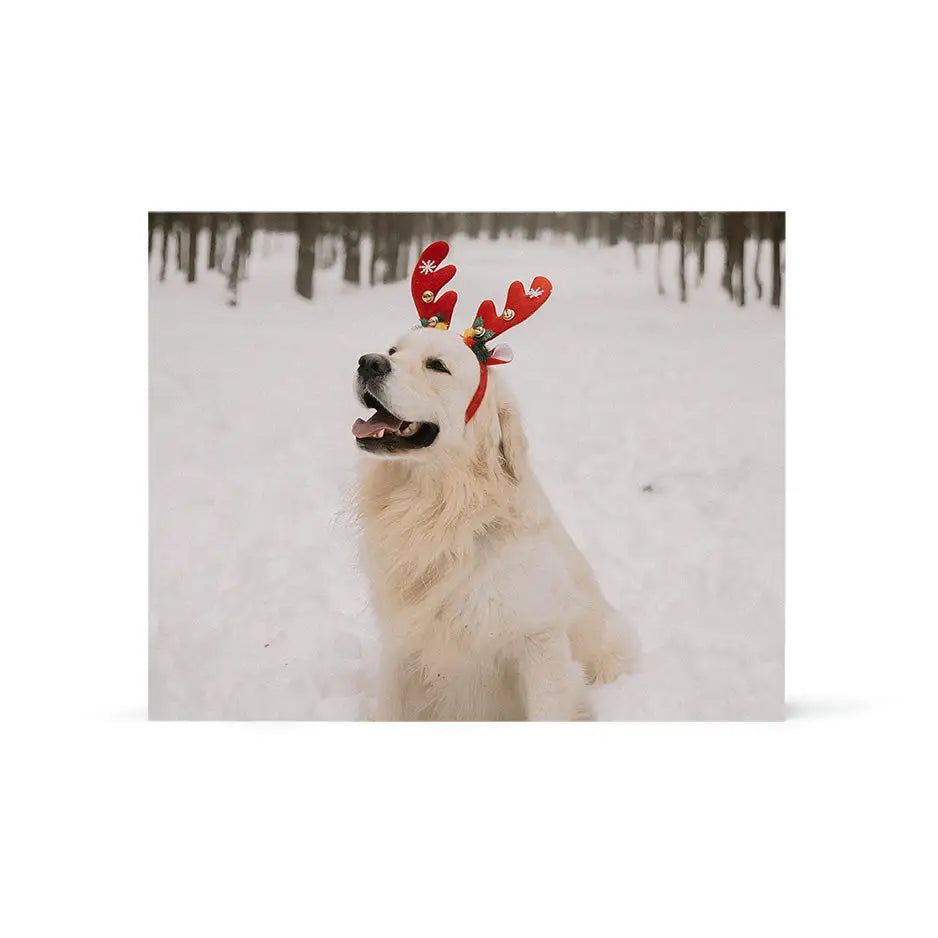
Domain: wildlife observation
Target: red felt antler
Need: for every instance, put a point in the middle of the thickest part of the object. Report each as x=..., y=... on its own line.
x=520, y=305
x=489, y=323
x=427, y=280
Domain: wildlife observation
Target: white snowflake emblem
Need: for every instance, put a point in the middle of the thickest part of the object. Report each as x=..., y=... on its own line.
x=535, y=292
x=427, y=267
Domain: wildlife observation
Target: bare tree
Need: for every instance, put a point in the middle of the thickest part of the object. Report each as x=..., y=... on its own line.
x=447, y=225
x=378, y=224
x=632, y=224
x=661, y=219
x=242, y=250
x=728, y=255
x=193, y=223
x=307, y=229
x=392, y=236
x=777, y=235
x=327, y=240
x=212, y=239
x=701, y=234
x=734, y=241
x=180, y=249
x=168, y=219
x=757, y=233
x=351, y=241
x=682, y=224
x=403, y=230
x=386, y=236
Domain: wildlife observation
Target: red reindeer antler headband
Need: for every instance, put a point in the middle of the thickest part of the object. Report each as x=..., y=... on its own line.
x=428, y=279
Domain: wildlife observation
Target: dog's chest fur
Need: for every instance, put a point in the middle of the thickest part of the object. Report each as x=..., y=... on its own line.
x=437, y=561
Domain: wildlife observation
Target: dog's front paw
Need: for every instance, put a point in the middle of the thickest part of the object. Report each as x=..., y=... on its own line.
x=618, y=654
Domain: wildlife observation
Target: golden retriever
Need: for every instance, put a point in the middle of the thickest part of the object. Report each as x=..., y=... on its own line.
x=487, y=609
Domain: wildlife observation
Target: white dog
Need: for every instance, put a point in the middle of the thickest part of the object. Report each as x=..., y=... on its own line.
x=487, y=608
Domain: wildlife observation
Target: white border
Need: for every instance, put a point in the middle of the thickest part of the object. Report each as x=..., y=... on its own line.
x=814, y=827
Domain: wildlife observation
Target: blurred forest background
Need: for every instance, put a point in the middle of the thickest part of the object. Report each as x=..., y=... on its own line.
x=324, y=239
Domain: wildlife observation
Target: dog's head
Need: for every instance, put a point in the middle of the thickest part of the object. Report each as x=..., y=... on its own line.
x=428, y=391
x=419, y=389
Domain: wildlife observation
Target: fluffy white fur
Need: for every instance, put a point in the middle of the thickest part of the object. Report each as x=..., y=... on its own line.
x=488, y=610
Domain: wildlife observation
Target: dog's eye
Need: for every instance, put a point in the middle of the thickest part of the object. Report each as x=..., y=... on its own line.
x=434, y=364
x=391, y=351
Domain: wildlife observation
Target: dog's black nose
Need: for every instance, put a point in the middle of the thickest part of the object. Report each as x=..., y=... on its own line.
x=374, y=366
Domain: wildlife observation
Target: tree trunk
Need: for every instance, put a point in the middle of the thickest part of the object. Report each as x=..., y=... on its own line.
x=447, y=225
x=473, y=224
x=683, y=221
x=242, y=251
x=377, y=224
x=702, y=232
x=235, y=270
x=193, y=223
x=494, y=226
x=755, y=271
x=180, y=232
x=212, y=239
x=327, y=246
x=246, y=220
x=530, y=225
x=351, y=241
x=164, y=249
x=151, y=228
x=387, y=235
x=728, y=257
x=403, y=224
x=741, y=266
x=734, y=237
x=307, y=228
x=659, y=238
x=632, y=232
x=777, y=234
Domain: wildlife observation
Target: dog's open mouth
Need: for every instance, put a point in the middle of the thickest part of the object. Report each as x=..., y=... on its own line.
x=383, y=431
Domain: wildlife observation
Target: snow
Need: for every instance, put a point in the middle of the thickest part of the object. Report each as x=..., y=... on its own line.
x=655, y=427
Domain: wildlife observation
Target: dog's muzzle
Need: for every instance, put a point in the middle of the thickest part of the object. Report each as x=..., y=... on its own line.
x=373, y=366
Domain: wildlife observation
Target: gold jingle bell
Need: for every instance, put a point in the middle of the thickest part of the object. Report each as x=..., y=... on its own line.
x=479, y=330
x=432, y=321
x=428, y=296
x=508, y=315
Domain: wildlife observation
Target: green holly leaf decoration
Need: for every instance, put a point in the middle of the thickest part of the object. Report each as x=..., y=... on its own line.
x=481, y=352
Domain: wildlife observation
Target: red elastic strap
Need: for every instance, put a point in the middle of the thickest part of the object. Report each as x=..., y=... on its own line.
x=480, y=391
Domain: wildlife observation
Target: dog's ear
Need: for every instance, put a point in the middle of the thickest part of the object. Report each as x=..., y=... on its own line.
x=512, y=443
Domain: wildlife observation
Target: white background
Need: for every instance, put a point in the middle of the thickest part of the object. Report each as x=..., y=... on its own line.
x=822, y=825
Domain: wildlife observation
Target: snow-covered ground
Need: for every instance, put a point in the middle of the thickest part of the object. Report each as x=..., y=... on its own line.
x=656, y=428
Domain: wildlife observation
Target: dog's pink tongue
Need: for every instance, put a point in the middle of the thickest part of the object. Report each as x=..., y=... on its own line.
x=379, y=420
